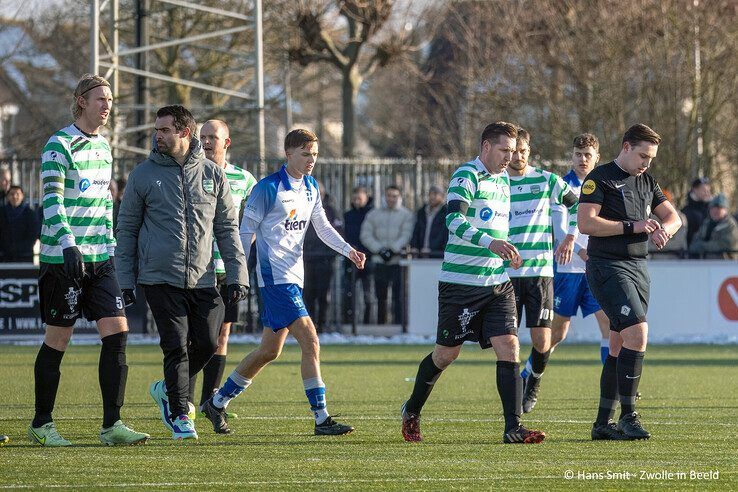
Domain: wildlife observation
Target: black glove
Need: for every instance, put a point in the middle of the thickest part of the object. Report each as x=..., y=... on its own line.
x=386, y=254
x=129, y=297
x=74, y=267
x=236, y=293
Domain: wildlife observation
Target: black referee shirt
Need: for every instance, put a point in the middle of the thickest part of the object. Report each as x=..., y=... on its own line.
x=623, y=198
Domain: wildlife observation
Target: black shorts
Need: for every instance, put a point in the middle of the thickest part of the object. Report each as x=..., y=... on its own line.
x=536, y=295
x=231, y=309
x=467, y=312
x=63, y=301
x=622, y=288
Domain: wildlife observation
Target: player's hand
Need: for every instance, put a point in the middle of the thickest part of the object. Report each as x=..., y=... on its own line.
x=583, y=254
x=503, y=249
x=129, y=297
x=564, y=251
x=647, y=226
x=358, y=258
x=74, y=266
x=659, y=238
x=516, y=262
x=236, y=293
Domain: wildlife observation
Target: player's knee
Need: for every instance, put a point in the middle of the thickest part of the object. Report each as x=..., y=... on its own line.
x=443, y=358
x=223, y=339
x=268, y=354
x=58, y=337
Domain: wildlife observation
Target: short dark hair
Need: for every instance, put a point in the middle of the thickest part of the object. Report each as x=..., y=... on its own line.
x=494, y=130
x=393, y=187
x=586, y=140
x=360, y=189
x=182, y=118
x=523, y=134
x=641, y=133
x=299, y=138
x=700, y=181
x=15, y=187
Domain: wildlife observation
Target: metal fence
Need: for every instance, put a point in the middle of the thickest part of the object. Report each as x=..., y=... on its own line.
x=337, y=176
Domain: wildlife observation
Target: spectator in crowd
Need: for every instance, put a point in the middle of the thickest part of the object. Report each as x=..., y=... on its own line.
x=717, y=237
x=4, y=184
x=676, y=248
x=18, y=228
x=319, y=266
x=696, y=208
x=430, y=233
x=361, y=204
x=386, y=232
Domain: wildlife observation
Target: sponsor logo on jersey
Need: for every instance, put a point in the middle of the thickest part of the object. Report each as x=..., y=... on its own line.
x=485, y=214
x=291, y=224
x=84, y=184
x=588, y=187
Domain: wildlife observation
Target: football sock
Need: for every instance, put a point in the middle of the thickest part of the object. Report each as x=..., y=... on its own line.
x=427, y=376
x=608, y=391
x=630, y=366
x=212, y=374
x=113, y=374
x=538, y=362
x=604, y=349
x=315, y=392
x=510, y=388
x=234, y=386
x=528, y=368
x=46, y=374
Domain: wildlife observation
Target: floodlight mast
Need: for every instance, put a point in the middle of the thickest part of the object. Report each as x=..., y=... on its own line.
x=112, y=61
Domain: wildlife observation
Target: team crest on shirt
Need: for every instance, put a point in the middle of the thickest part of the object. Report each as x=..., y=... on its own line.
x=535, y=189
x=588, y=187
x=208, y=185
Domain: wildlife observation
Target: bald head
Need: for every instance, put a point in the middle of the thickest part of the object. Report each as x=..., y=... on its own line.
x=215, y=139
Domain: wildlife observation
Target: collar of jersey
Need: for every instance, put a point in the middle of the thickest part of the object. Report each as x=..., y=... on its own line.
x=573, y=179
x=284, y=177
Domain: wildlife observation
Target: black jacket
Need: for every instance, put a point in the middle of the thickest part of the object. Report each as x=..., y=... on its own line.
x=438, y=234
x=18, y=233
x=696, y=213
x=313, y=247
x=352, y=220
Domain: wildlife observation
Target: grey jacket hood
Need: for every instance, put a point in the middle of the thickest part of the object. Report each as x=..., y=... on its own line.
x=168, y=219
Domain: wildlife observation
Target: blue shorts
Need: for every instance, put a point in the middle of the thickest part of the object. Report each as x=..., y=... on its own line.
x=283, y=304
x=571, y=292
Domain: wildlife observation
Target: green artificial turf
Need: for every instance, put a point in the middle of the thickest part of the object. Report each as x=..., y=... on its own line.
x=690, y=405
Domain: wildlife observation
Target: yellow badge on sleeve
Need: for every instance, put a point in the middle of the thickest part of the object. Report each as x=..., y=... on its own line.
x=588, y=187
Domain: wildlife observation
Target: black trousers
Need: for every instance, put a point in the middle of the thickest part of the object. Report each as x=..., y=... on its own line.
x=386, y=276
x=318, y=276
x=351, y=275
x=188, y=321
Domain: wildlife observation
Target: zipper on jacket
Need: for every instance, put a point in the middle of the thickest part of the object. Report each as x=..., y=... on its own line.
x=187, y=226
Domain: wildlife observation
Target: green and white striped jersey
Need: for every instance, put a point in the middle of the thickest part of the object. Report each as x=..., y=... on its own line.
x=531, y=229
x=467, y=259
x=77, y=205
x=241, y=182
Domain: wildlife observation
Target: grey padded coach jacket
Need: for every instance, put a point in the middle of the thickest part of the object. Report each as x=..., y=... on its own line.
x=166, y=223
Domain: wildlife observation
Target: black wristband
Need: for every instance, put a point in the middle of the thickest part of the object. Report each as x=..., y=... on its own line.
x=627, y=227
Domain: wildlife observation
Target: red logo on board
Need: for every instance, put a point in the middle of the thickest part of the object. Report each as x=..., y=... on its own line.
x=728, y=298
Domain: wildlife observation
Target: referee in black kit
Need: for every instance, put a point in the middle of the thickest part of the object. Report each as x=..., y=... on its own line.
x=614, y=208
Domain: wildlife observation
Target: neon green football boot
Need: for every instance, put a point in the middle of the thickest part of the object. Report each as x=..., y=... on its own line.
x=119, y=433
x=47, y=435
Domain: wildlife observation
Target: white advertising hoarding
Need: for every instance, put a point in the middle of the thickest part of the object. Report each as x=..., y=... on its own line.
x=691, y=301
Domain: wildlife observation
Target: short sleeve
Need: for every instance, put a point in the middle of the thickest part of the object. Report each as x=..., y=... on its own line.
x=463, y=185
x=260, y=201
x=592, y=191
x=658, y=195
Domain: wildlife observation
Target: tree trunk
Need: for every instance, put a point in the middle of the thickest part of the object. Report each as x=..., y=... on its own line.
x=350, y=92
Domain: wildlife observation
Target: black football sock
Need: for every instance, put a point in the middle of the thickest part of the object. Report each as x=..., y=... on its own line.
x=630, y=367
x=510, y=388
x=212, y=375
x=608, y=391
x=113, y=374
x=538, y=361
x=427, y=376
x=46, y=374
